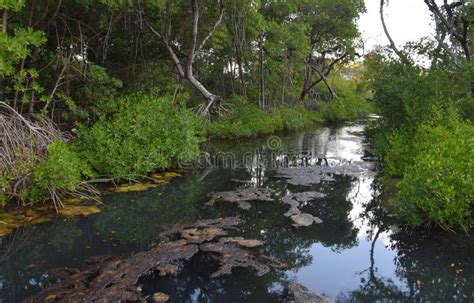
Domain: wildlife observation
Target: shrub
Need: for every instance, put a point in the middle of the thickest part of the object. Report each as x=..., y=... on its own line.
x=397, y=148
x=409, y=95
x=438, y=187
x=247, y=121
x=350, y=103
x=297, y=117
x=145, y=133
x=345, y=108
x=61, y=171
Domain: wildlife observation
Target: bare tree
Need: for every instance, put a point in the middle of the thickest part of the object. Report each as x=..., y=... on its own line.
x=184, y=67
x=393, y=46
x=322, y=69
x=452, y=23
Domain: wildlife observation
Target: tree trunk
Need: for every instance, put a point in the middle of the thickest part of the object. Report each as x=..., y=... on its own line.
x=194, y=49
x=387, y=34
x=261, y=82
x=5, y=21
x=332, y=92
x=203, y=90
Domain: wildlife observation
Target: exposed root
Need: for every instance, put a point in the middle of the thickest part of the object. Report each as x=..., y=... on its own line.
x=213, y=108
x=23, y=144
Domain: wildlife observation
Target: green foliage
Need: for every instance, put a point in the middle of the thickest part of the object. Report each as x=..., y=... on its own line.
x=247, y=121
x=15, y=48
x=345, y=108
x=438, y=187
x=425, y=138
x=13, y=5
x=409, y=95
x=100, y=90
x=62, y=170
x=297, y=117
x=145, y=133
x=348, y=105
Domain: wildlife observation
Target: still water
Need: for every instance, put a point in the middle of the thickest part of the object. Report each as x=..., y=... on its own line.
x=358, y=253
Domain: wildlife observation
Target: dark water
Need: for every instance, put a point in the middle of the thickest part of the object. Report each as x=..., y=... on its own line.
x=357, y=255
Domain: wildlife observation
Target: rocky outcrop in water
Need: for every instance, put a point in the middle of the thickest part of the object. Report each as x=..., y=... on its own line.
x=295, y=201
x=107, y=279
x=297, y=293
x=312, y=175
x=243, y=196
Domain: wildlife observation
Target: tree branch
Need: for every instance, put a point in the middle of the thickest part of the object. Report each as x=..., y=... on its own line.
x=392, y=44
x=218, y=21
x=174, y=57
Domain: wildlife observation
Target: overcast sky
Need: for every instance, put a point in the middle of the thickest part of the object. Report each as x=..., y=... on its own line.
x=407, y=20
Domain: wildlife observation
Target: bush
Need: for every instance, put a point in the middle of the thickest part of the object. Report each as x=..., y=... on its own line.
x=297, y=117
x=345, y=108
x=350, y=103
x=145, y=133
x=247, y=121
x=439, y=186
x=62, y=170
x=407, y=96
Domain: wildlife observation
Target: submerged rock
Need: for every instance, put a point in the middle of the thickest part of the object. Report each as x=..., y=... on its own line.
x=231, y=256
x=307, y=196
x=107, y=279
x=298, y=293
x=241, y=241
x=294, y=201
x=193, y=235
x=111, y=280
x=159, y=298
x=228, y=223
x=242, y=196
x=312, y=175
x=305, y=220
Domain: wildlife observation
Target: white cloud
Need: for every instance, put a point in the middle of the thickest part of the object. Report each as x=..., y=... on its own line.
x=407, y=20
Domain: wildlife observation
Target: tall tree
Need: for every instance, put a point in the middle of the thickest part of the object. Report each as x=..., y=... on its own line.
x=174, y=43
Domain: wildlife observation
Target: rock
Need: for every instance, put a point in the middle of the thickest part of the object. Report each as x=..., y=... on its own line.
x=112, y=280
x=228, y=223
x=241, y=197
x=241, y=241
x=166, y=269
x=292, y=212
x=295, y=201
x=311, y=175
x=300, y=294
x=160, y=297
x=107, y=279
x=307, y=196
x=317, y=220
x=193, y=235
x=231, y=256
x=304, y=220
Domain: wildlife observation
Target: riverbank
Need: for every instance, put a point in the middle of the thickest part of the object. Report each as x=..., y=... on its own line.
x=336, y=258
x=142, y=134
x=43, y=211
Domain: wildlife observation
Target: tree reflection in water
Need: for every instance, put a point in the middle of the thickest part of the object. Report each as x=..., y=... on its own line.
x=424, y=266
x=434, y=266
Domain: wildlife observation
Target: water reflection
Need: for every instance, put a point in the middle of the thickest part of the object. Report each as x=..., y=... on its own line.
x=356, y=255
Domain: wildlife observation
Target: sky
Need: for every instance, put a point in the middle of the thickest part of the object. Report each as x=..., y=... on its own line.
x=407, y=20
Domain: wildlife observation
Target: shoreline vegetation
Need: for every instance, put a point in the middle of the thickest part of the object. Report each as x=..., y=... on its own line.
x=82, y=159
